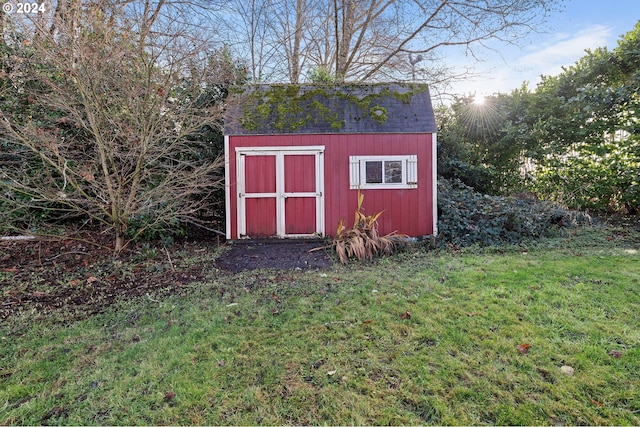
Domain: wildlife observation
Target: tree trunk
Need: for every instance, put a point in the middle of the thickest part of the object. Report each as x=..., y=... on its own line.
x=344, y=47
x=119, y=245
x=296, y=63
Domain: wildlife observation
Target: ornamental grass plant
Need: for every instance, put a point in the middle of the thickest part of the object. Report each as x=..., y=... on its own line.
x=363, y=241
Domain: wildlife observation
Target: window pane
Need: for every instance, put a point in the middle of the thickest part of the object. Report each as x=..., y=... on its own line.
x=393, y=172
x=374, y=172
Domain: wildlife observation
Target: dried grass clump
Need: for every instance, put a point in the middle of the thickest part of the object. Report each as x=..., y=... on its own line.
x=362, y=241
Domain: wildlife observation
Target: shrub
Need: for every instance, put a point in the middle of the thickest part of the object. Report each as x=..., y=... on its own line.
x=467, y=217
x=362, y=241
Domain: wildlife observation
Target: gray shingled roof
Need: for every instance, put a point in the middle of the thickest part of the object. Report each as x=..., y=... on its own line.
x=320, y=109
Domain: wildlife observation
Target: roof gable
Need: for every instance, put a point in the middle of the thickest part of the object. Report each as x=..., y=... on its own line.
x=321, y=109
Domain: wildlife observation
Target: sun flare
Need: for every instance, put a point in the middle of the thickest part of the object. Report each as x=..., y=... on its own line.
x=480, y=115
x=479, y=100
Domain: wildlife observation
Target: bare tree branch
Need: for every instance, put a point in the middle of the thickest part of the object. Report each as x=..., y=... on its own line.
x=363, y=40
x=112, y=123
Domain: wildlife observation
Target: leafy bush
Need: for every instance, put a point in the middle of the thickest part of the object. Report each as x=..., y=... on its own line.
x=362, y=241
x=147, y=227
x=467, y=217
x=602, y=177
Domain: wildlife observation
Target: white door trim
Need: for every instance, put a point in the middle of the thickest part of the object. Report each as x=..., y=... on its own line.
x=280, y=195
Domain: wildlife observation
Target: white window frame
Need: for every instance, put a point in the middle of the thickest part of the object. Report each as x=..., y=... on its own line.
x=358, y=172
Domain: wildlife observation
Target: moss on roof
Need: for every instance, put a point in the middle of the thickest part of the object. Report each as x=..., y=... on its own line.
x=347, y=108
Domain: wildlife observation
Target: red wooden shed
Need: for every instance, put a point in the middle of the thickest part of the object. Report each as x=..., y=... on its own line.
x=296, y=157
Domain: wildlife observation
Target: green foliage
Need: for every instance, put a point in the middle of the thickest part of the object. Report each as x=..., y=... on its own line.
x=321, y=75
x=482, y=145
x=147, y=227
x=574, y=140
x=221, y=72
x=22, y=76
x=603, y=177
x=587, y=128
x=457, y=158
x=378, y=114
x=467, y=217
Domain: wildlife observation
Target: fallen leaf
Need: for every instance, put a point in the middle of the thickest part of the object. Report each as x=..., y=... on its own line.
x=331, y=373
x=74, y=282
x=92, y=279
x=406, y=315
x=10, y=270
x=221, y=362
x=368, y=321
x=524, y=348
x=615, y=353
x=168, y=397
x=86, y=175
x=41, y=294
x=595, y=402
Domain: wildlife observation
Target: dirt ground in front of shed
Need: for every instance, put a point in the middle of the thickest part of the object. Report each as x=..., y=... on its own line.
x=78, y=274
x=275, y=254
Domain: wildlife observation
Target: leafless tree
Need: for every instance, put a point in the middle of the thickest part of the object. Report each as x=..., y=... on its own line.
x=253, y=17
x=272, y=35
x=368, y=40
x=115, y=98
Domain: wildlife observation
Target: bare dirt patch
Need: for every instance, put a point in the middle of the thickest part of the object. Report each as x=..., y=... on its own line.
x=274, y=254
x=78, y=278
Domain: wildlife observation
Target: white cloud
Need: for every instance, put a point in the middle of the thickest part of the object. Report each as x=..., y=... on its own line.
x=544, y=58
x=565, y=49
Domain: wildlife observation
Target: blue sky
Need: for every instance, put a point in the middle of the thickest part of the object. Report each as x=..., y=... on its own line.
x=580, y=25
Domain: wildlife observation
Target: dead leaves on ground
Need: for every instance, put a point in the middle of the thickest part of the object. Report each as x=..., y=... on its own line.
x=524, y=348
x=615, y=354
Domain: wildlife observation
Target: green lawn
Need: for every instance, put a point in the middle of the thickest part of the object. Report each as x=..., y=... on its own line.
x=475, y=337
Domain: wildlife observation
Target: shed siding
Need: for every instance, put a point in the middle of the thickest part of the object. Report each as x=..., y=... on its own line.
x=408, y=211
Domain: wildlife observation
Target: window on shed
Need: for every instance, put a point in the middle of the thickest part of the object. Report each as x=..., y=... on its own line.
x=383, y=172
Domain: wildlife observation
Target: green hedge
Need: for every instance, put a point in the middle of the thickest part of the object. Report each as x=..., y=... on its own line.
x=466, y=217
